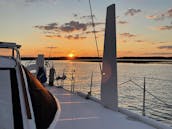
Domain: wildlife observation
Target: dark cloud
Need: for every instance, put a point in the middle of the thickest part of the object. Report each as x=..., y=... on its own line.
x=97, y=23
x=77, y=36
x=165, y=47
x=53, y=36
x=73, y=26
x=87, y=17
x=162, y=28
x=67, y=27
x=169, y=13
x=52, y=26
x=128, y=35
x=132, y=12
x=161, y=16
x=88, y=32
x=162, y=42
x=124, y=41
x=75, y=15
x=54, y=30
x=122, y=22
x=139, y=41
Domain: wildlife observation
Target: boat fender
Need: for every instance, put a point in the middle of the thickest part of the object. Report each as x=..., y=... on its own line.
x=51, y=76
x=41, y=75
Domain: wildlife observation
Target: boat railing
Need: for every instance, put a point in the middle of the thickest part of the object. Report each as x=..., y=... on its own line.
x=14, y=53
x=148, y=100
x=138, y=94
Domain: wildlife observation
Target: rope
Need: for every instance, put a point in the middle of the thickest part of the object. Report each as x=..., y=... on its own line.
x=94, y=31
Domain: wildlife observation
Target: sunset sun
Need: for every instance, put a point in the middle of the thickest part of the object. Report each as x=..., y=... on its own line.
x=71, y=55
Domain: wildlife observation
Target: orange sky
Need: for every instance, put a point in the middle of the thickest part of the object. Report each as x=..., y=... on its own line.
x=143, y=27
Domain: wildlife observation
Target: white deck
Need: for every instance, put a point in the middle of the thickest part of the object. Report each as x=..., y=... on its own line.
x=79, y=113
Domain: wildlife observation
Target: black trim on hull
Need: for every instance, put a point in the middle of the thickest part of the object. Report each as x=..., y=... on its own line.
x=17, y=115
x=28, y=112
x=44, y=104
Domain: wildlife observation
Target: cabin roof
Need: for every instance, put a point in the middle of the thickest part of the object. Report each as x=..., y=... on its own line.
x=9, y=45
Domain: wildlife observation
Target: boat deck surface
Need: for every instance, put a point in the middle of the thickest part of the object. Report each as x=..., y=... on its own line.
x=80, y=113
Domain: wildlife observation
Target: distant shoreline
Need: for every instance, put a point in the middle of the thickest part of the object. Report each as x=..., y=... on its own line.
x=166, y=60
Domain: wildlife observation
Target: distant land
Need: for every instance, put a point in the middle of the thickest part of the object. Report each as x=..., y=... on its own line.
x=120, y=59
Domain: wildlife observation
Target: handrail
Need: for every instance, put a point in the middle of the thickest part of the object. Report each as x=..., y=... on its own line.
x=14, y=47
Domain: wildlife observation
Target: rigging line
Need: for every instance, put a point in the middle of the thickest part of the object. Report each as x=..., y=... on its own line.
x=94, y=31
x=150, y=93
x=124, y=82
x=158, y=79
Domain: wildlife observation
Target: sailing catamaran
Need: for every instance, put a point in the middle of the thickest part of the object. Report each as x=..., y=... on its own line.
x=26, y=104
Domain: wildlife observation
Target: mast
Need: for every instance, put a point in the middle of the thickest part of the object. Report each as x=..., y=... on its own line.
x=109, y=92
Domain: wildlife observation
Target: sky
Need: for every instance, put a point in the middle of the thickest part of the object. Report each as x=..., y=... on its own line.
x=61, y=27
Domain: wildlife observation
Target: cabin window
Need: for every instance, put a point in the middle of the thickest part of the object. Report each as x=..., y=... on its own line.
x=44, y=104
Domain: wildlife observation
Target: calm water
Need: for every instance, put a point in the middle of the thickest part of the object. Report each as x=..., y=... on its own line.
x=158, y=83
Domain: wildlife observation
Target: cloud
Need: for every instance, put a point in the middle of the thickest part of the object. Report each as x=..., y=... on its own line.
x=75, y=15
x=51, y=26
x=165, y=47
x=53, y=36
x=132, y=12
x=77, y=36
x=73, y=26
x=55, y=30
x=156, y=17
x=70, y=26
x=66, y=27
x=98, y=31
x=122, y=22
x=139, y=41
x=128, y=35
x=87, y=17
x=161, y=16
x=162, y=28
x=162, y=42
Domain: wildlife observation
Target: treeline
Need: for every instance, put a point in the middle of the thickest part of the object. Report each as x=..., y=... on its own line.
x=153, y=57
x=60, y=58
x=94, y=58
